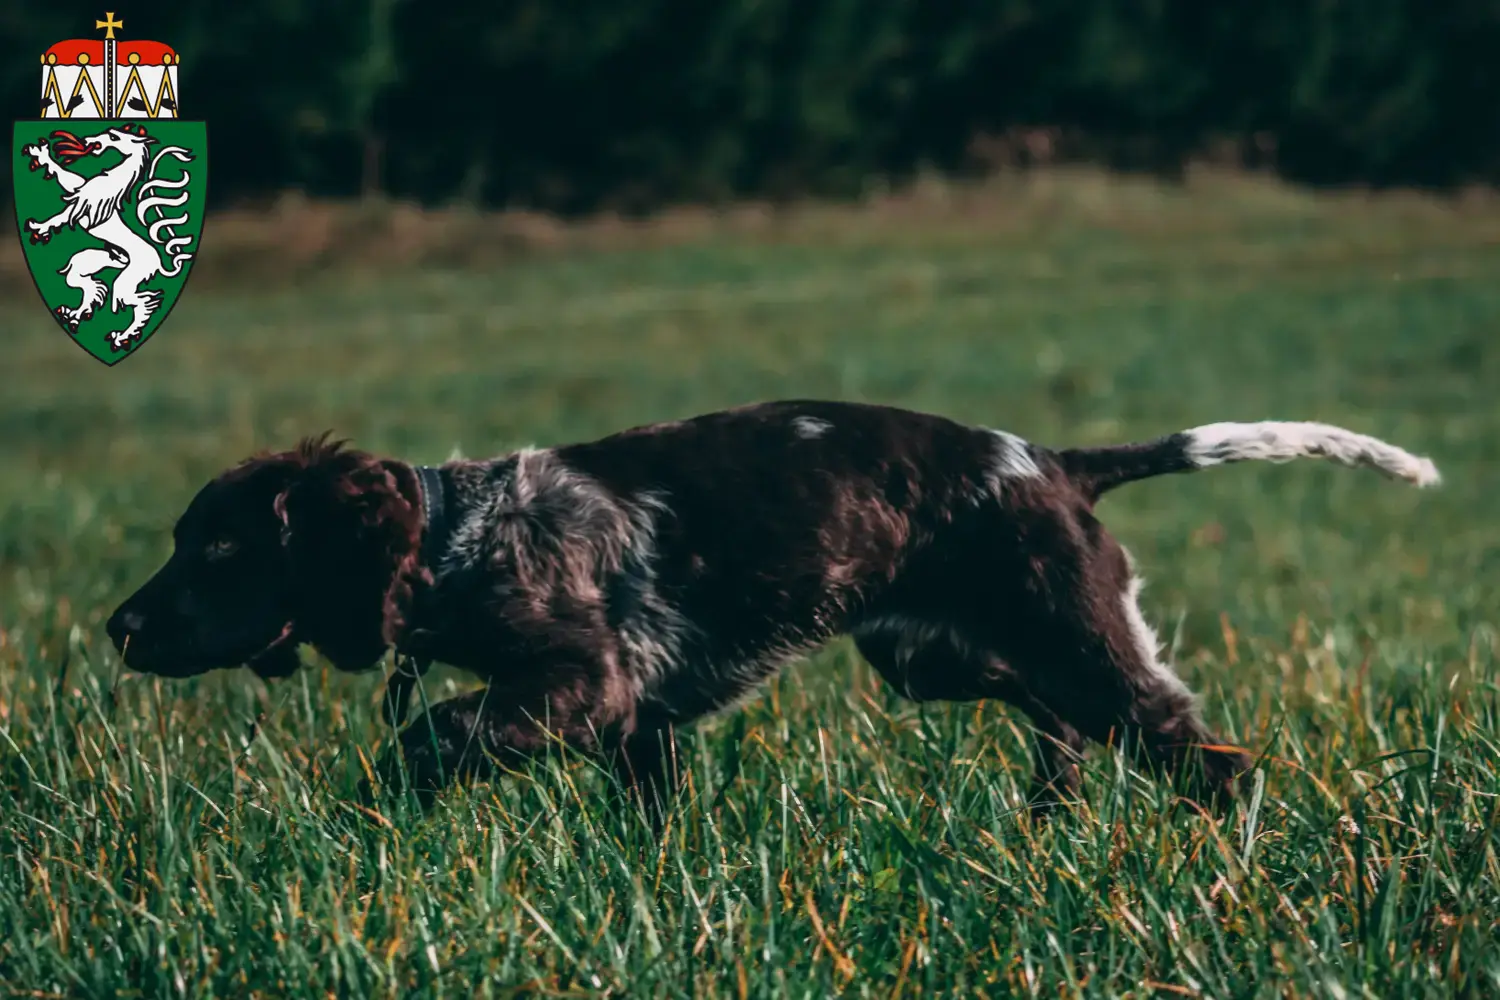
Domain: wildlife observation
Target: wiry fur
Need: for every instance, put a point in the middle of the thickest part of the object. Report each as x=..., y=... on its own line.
x=612, y=590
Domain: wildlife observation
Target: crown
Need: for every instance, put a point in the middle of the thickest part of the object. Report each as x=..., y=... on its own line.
x=109, y=78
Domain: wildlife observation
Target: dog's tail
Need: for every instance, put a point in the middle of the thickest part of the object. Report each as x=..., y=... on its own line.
x=1099, y=470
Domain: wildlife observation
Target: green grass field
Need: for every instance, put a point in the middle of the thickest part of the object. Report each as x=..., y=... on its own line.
x=164, y=839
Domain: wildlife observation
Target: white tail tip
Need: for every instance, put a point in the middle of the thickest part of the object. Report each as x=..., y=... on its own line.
x=1283, y=441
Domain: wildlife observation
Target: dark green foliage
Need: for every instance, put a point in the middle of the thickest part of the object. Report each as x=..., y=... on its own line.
x=631, y=103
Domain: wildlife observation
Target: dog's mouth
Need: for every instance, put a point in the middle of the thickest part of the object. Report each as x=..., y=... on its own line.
x=185, y=657
x=279, y=659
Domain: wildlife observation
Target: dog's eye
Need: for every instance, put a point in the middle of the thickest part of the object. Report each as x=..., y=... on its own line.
x=221, y=548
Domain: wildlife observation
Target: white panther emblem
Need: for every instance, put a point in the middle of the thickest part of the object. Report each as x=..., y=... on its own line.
x=95, y=203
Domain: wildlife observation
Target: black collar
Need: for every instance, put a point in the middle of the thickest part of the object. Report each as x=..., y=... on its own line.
x=436, y=537
x=434, y=516
x=411, y=666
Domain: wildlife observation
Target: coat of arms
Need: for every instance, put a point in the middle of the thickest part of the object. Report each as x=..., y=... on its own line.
x=109, y=189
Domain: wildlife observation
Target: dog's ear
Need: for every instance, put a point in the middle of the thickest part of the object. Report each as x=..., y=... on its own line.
x=351, y=524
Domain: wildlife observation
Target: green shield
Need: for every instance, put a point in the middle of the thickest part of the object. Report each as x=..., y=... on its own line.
x=110, y=214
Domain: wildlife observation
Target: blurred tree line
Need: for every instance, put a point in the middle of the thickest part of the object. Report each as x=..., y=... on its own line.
x=570, y=105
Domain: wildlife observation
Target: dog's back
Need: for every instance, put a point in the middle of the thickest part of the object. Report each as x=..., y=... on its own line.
x=777, y=526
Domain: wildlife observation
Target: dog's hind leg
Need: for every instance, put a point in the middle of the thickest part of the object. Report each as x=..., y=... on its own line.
x=926, y=663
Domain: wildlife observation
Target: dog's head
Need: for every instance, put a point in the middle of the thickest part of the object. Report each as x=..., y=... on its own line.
x=318, y=545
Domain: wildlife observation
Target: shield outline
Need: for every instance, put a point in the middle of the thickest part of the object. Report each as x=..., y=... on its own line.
x=19, y=164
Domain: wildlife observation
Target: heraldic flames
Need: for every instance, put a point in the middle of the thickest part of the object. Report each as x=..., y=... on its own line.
x=109, y=189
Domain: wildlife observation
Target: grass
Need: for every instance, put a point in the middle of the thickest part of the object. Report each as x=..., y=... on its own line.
x=193, y=838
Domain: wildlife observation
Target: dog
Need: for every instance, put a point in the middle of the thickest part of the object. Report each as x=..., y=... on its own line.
x=613, y=591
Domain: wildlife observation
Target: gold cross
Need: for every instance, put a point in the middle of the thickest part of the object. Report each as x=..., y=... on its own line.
x=109, y=24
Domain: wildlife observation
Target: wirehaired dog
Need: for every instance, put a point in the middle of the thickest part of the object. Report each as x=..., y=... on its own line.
x=612, y=591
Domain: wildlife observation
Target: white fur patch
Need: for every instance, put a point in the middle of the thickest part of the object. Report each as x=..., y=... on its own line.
x=555, y=530
x=810, y=427
x=655, y=637
x=1145, y=639
x=1283, y=441
x=1012, y=461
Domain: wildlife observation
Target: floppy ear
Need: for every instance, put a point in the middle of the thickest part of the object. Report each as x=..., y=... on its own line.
x=352, y=526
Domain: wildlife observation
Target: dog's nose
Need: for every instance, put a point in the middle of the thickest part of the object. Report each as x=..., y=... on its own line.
x=123, y=624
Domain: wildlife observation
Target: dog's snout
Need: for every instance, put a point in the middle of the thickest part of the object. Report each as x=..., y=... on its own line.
x=123, y=624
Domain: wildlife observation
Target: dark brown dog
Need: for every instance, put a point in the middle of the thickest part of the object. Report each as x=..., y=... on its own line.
x=613, y=590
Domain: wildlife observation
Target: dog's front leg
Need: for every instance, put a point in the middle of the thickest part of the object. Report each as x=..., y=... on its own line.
x=648, y=764
x=466, y=738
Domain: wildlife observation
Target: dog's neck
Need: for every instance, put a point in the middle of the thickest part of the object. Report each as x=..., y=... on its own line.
x=412, y=662
x=437, y=536
x=435, y=518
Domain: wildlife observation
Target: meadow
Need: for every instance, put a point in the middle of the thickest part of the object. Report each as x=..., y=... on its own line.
x=196, y=838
